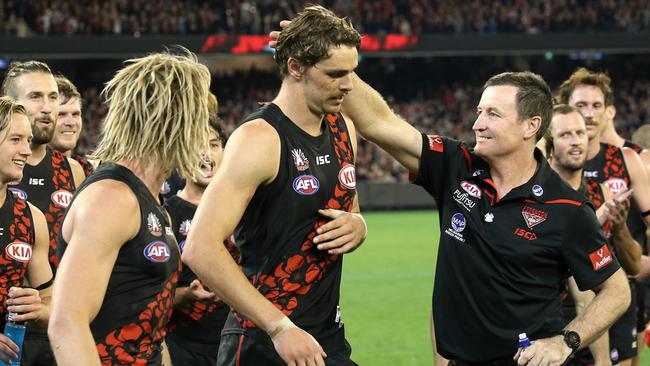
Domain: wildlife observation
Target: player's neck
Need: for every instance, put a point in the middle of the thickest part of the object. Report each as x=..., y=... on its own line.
x=291, y=100
x=611, y=137
x=150, y=175
x=506, y=178
x=593, y=148
x=38, y=153
x=572, y=177
x=191, y=193
x=3, y=193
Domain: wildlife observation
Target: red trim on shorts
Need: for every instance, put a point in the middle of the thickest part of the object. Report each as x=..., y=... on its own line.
x=239, y=348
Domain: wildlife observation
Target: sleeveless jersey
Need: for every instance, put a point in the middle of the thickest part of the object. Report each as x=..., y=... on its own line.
x=276, y=231
x=85, y=164
x=16, y=241
x=139, y=299
x=634, y=220
x=198, y=323
x=50, y=187
x=637, y=149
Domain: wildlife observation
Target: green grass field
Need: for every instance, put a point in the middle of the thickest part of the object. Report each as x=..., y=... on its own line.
x=386, y=290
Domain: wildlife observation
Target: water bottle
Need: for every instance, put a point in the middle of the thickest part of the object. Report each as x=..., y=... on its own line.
x=523, y=341
x=15, y=332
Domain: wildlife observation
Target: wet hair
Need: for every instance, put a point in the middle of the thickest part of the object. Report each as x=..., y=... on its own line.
x=310, y=36
x=157, y=113
x=533, y=98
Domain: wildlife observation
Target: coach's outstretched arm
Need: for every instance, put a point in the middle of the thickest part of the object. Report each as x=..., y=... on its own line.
x=612, y=298
x=251, y=159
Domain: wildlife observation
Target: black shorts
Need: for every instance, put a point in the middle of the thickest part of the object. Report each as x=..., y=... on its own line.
x=622, y=334
x=180, y=354
x=641, y=312
x=37, y=350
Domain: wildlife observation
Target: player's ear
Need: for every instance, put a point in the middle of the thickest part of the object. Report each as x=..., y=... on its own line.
x=532, y=125
x=294, y=68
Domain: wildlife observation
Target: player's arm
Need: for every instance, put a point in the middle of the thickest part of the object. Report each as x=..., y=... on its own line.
x=251, y=158
x=194, y=292
x=600, y=347
x=347, y=230
x=33, y=304
x=640, y=182
x=78, y=174
x=628, y=250
x=84, y=271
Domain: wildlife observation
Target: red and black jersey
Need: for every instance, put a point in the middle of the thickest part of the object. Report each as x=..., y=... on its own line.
x=85, y=164
x=196, y=325
x=503, y=261
x=131, y=323
x=633, y=146
x=16, y=241
x=276, y=231
x=50, y=187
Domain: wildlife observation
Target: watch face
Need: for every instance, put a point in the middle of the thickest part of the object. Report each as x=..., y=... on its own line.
x=572, y=339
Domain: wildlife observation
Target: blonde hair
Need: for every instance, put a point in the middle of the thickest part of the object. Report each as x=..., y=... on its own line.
x=157, y=113
x=7, y=109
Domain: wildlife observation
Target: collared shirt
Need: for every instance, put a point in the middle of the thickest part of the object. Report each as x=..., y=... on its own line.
x=502, y=261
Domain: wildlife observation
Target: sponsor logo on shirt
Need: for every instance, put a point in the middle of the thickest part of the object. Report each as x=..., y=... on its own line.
x=538, y=190
x=347, y=176
x=2, y=231
x=533, y=216
x=477, y=173
x=157, y=252
x=169, y=231
x=601, y=257
x=306, y=185
x=62, y=198
x=463, y=199
x=323, y=159
x=590, y=174
x=616, y=185
x=458, y=224
x=489, y=217
x=18, y=193
x=19, y=251
x=153, y=224
x=470, y=188
x=36, y=181
x=435, y=143
x=525, y=234
x=185, y=227
x=300, y=160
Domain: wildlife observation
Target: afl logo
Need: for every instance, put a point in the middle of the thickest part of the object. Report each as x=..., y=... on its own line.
x=62, y=198
x=347, y=176
x=157, y=252
x=21, y=252
x=306, y=185
x=18, y=193
x=617, y=185
x=470, y=188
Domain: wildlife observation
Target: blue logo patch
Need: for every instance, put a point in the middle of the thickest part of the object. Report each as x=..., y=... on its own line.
x=538, y=190
x=18, y=193
x=306, y=185
x=458, y=222
x=181, y=245
x=157, y=252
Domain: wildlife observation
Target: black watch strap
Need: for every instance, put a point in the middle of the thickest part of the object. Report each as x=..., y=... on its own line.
x=571, y=339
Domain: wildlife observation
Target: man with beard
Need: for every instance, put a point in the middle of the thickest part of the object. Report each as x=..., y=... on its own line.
x=566, y=145
x=49, y=179
x=195, y=325
x=620, y=169
x=69, y=124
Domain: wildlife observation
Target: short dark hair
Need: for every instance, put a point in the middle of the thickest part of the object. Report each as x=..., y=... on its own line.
x=563, y=109
x=17, y=69
x=216, y=124
x=533, y=98
x=311, y=34
x=582, y=76
x=67, y=90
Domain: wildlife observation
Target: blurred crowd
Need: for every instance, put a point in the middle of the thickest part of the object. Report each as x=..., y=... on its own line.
x=138, y=17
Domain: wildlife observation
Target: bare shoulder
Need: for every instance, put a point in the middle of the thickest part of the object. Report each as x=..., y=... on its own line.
x=257, y=131
x=37, y=215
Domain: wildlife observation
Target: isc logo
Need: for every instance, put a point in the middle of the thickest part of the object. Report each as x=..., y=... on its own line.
x=306, y=185
x=21, y=252
x=62, y=198
x=347, y=176
x=18, y=193
x=525, y=234
x=36, y=181
x=157, y=252
x=470, y=188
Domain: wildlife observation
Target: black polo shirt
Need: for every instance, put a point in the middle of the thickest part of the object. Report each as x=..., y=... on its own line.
x=502, y=263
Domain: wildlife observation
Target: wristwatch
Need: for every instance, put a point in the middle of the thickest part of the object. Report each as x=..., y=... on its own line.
x=572, y=340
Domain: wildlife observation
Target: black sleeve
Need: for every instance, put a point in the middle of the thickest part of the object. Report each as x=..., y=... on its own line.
x=585, y=250
x=433, y=163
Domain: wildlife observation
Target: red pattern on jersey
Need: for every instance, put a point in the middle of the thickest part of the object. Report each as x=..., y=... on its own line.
x=597, y=198
x=12, y=272
x=615, y=164
x=133, y=343
x=87, y=167
x=62, y=179
x=295, y=276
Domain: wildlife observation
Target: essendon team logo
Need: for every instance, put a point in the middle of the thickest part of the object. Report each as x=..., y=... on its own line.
x=62, y=198
x=185, y=227
x=616, y=185
x=300, y=160
x=153, y=225
x=347, y=176
x=21, y=252
x=470, y=188
x=435, y=143
x=533, y=216
x=601, y=257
